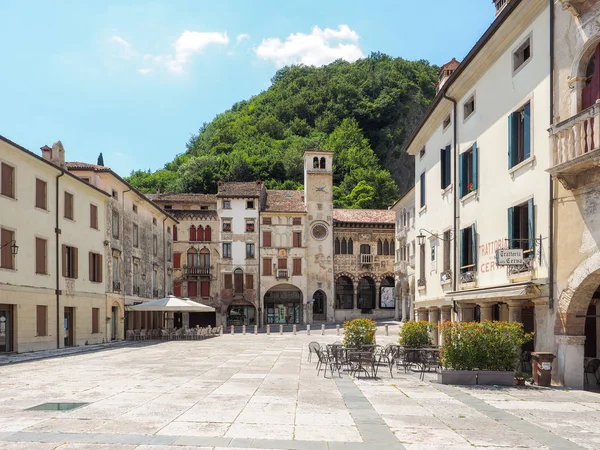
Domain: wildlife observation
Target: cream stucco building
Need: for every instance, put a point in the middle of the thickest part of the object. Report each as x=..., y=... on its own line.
x=52, y=291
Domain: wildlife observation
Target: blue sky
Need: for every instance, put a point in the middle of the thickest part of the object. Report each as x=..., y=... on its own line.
x=135, y=79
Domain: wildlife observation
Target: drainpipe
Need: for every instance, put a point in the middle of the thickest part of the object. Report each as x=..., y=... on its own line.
x=57, y=291
x=258, y=299
x=164, y=257
x=455, y=191
x=551, y=184
x=122, y=239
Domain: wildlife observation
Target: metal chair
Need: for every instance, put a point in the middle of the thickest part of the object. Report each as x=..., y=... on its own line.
x=313, y=347
x=592, y=367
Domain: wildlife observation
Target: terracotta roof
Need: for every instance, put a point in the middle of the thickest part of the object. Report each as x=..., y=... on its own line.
x=76, y=165
x=364, y=215
x=240, y=188
x=451, y=65
x=186, y=198
x=285, y=200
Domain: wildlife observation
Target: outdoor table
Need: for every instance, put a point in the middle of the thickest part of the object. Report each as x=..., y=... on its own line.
x=362, y=361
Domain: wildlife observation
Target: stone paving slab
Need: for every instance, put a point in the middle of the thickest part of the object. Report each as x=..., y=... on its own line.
x=261, y=392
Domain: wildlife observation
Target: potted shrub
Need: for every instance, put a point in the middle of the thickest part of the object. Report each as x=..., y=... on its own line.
x=415, y=334
x=359, y=332
x=482, y=353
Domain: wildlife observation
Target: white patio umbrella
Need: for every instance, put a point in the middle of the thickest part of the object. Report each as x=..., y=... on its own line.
x=172, y=304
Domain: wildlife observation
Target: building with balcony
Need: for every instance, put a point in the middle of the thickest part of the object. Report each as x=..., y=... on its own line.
x=574, y=162
x=480, y=182
x=404, y=268
x=52, y=232
x=137, y=250
x=196, y=254
x=364, y=249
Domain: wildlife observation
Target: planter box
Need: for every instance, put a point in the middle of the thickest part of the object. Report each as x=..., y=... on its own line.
x=457, y=377
x=496, y=377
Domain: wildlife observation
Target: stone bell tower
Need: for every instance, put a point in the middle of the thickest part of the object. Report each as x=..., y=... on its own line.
x=318, y=198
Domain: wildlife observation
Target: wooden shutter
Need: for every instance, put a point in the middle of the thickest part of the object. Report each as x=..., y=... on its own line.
x=462, y=184
x=208, y=234
x=266, y=238
x=6, y=252
x=474, y=247
x=297, y=239
x=177, y=260
x=282, y=263
x=75, y=262
x=192, y=233
x=99, y=268
x=336, y=246
x=92, y=273
x=41, y=317
x=200, y=233
x=513, y=128
x=297, y=221
x=40, y=255
x=227, y=281
x=64, y=260
x=205, y=288
x=422, y=189
x=177, y=289
x=40, y=193
x=192, y=289
x=474, y=163
x=511, y=221
x=527, y=130
x=238, y=282
x=93, y=216
x=95, y=319
x=174, y=232
x=249, y=281
x=530, y=224
x=267, y=266
x=266, y=220
x=461, y=248
x=448, y=171
x=297, y=268
x=443, y=168
x=7, y=176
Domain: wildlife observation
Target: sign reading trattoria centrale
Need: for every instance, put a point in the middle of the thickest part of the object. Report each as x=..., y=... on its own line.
x=509, y=256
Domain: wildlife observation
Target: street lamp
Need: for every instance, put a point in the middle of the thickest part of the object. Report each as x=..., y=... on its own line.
x=421, y=236
x=14, y=248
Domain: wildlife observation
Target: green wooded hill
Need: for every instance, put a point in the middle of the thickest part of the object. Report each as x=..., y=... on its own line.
x=363, y=111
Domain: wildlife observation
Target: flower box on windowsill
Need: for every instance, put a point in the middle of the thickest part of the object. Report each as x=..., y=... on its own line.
x=469, y=196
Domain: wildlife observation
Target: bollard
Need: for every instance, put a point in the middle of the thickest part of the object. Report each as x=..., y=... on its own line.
x=308, y=329
x=220, y=330
x=294, y=329
x=387, y=333
x=255, y=329
x=322, y=329
x=337, y=330
x=280, y=329
x=243, y=329
x=232, y=329
x=268, y=329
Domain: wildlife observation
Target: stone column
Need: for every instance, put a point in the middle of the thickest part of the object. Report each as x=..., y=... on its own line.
x=567, y=368
x=405, y=308
x=486, y=311
x=544, y=326
x=377, y=294
x=514, y=311
x=503, y=312
x=466, y=312
x=434, y=314
x=355, y=300
x=422, y=314
x=446, y=316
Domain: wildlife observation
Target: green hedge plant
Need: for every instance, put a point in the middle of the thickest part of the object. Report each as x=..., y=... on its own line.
x=415, y=334
x=359, y=332
x=482, y=346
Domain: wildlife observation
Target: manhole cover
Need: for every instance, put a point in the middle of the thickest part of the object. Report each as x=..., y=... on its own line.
x=56, y=406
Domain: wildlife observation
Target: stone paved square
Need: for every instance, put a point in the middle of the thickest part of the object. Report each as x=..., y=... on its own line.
x=247, y=391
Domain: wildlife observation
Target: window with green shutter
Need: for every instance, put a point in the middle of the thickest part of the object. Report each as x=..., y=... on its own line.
x=519, y=136
x=468, y=249
x=445, y=154
x=468, y=171
x=521, y=228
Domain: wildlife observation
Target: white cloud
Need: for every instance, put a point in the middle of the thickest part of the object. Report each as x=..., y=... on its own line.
x=145, y=71
x=127, y=49
x=189, y=44
x=316, y=49
x=241, y=37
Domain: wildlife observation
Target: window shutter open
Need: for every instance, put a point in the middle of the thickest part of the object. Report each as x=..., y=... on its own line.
x=443, y=168
x=462, y=248
x=422, y=189
x=64, y=260
x=99, y=268
x=530, y=224
x=448, y=165
x=526, y=131
x=511, y=219
x=75, y=262
x=474, y=166
x=461, y=181
x=91, y=261
x=474, y=246
x=512, y=138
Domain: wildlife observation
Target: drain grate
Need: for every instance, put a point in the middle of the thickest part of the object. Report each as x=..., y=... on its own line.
x=56, y=406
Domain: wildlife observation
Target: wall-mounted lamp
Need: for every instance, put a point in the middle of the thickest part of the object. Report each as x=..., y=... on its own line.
x=421, y=237
x=14, y=248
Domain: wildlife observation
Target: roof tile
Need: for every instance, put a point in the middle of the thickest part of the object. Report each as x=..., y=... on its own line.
x=364, y=215
x=284, y=201
x=240, y=188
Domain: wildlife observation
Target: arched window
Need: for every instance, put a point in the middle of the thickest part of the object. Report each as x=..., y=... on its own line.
x=192, y=257
x=192, y=233
x=337, y=246
x=591, y=91
x=386, y=293
x=204, y=258
x=323, y=163
x=379, y=247
x=386, y=247
x=344, y=246
x=200, y=233
x=320, y=302
x=366, y=293
x=350, y=246
x=344, y=293
x=208, y=234
x=365, y=249
x=315, y=163
x=392, y=247
x=238, y=281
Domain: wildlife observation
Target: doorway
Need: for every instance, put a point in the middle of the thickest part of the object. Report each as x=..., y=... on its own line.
x=6, y=329
x=69, y=328
x=114, y=317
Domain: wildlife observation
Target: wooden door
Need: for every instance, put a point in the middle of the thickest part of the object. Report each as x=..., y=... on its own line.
x=591, y=92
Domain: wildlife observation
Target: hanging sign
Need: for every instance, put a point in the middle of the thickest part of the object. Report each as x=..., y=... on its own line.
x=509, y=256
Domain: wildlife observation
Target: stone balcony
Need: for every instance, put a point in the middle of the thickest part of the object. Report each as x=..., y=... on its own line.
x=400, y=268
x=194, y=271
x=575, y=149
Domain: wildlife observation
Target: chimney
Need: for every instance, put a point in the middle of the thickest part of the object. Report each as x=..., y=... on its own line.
x=445, y=72
x=46, y=152
x=500, y=4
x=56, y=154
